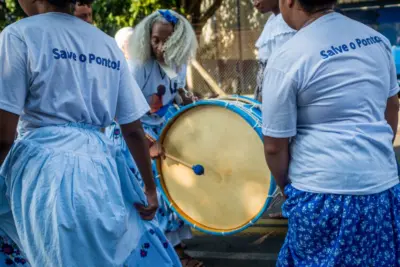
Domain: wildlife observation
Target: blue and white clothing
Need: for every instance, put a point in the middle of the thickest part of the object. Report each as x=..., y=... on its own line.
x=10, y=253
x=160, y=91
x=159, y=87
x=327, y=90
x=69, y=188
x=341, y=230
x=276, y=32
x=174, y=228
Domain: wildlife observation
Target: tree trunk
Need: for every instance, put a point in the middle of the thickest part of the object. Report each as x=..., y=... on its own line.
x=199, y=18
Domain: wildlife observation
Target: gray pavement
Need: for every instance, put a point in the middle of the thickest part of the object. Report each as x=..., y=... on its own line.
x=235, y=251
x=257, y=246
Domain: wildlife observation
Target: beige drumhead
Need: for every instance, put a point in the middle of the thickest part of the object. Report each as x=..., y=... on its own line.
x=236, y=184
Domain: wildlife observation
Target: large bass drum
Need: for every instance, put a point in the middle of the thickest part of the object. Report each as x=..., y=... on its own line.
x=224, y=136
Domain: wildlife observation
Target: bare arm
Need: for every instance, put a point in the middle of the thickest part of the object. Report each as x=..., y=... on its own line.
x=276, y=152
x=392, y=113
x=138, y=146
x=8, y=126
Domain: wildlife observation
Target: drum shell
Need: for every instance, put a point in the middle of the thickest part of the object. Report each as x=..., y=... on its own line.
x=249, y=111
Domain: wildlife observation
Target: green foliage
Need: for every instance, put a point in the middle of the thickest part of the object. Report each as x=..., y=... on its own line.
x=111, y=15
x=10, y=11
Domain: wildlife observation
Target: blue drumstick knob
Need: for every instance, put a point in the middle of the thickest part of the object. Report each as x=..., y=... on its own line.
x=198, y=169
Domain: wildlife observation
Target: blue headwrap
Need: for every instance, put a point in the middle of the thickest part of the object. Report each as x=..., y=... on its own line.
x=168, y=16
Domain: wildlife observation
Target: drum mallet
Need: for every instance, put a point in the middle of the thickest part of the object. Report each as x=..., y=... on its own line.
x=197, y=169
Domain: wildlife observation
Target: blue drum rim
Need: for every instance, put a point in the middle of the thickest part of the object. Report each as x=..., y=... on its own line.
x=247, y=98
x=252, y=123
x=239, y=97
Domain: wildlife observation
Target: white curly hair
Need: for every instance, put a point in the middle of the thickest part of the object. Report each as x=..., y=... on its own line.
x=122, y=36
x=179, y=49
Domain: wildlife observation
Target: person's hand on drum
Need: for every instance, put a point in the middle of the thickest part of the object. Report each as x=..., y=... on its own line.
x=188, y=97
x=213, y=95
x=148, y=212
x=156, y=150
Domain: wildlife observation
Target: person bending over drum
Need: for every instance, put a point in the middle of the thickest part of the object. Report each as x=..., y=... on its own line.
x=158, y=52
x=332, y=88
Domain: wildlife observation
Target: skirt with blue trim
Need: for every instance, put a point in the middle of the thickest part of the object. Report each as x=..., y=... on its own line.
x=341, y=230
x=168, y=220
x=72, y=198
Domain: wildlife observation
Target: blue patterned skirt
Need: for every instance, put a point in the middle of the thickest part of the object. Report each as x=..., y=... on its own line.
x=341, y=230
x=72, y=198
x=10, y=254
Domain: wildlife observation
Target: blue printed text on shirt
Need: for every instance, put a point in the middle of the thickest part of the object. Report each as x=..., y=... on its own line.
x=344, y=48
x=91, y=58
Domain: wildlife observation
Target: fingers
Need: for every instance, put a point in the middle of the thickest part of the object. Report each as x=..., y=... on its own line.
x=162, y=152
x=147, y=213
x=157, y=151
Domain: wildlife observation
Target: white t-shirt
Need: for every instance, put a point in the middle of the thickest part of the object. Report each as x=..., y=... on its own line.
x=57, y=69
x=158, y=88
x=328, y=88
x=276, y=32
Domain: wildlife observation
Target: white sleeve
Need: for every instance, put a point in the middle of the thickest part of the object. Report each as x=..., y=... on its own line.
x=279, y=105
x=131, y=104
x=394, y=85
x=14, y=80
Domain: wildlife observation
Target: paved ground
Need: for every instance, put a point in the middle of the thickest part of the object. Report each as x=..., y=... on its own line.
x=256, y=246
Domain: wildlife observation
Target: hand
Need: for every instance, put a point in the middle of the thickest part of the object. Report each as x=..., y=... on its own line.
x=148, y=212
x=188, y=100
x=283, y=192
x=156, y=150
x=213, y=95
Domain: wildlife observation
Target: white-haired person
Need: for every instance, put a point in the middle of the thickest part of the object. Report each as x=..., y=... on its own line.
x=122, y=38
x=158, y=52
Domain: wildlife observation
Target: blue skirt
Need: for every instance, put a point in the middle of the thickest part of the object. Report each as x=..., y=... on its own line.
x=341, y=230
x=167, y=218
x=10, y=254
x=71, y=195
